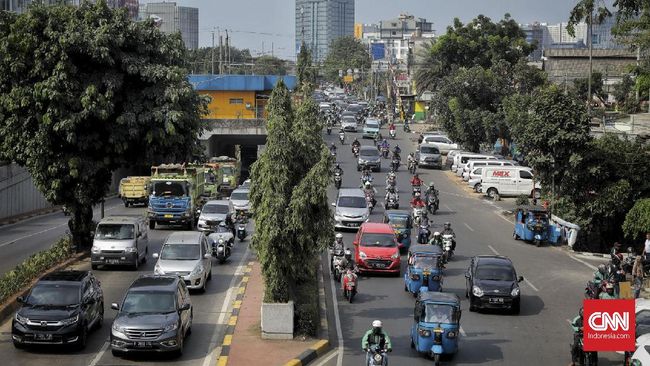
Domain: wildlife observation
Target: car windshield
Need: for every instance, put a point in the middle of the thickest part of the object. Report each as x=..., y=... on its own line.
x=495, y=273
x=226, y=170
x=398, y=222
x=218, y=209
x=157, y=302
x=429, y=150
x=378, y=240
x=352, y=201
x=54, y=294
x=349, y=119
x=439, y=313
x=114, y=231
x=369, y=152
x=372, y=125
x=180, y=252
x=169, y=189
x=642, y=322
x=425, y=262
x=239, y=196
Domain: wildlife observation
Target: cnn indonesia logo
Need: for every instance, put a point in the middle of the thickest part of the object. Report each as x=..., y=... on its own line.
x=609, y=325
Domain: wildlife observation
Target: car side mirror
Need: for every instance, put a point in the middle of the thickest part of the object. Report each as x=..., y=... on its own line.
x=521, y=278
x=184, y=307
x=155, y=256
x=114, y=306
x=207, y=256
x=334, y=204
x=20, y=300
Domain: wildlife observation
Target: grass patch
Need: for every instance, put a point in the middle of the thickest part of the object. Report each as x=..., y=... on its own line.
x=306, y=315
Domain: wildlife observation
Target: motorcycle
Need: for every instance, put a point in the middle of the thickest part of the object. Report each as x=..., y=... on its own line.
x=221, y=250
x=337, y=261
x=337, y=180
x=376, y=356
x=391, y=181
x=447, y=245
x=392, y=134
x=423, y=234
x=349, y=285
x=407, y=128
x=355, y=151
x=395, y=164
x=329, y=129
x=384, y=152
x=628, y=263
x=392, y=203
x=66, y=210
x=592, y=290
x=586, y=358
x=417, y=189
x=418, y=214
x=342, y=137
x=412, y=166
x=370, y=202
x=241, y=232
x=365, y=179
x=432, y=204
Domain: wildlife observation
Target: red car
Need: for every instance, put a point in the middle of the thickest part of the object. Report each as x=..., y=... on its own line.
x=376, y=248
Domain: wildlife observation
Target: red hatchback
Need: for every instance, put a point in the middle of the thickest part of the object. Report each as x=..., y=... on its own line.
x=376, y=248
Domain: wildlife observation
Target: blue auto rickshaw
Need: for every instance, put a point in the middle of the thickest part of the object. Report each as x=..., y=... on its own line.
x=402, y=223
x=532, y=225
x=424, y=271
x=436, y=329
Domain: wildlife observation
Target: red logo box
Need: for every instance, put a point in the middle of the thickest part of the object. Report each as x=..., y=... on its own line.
x=609, y=325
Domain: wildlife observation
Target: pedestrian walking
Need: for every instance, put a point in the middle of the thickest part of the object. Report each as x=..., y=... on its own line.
x=637, y=272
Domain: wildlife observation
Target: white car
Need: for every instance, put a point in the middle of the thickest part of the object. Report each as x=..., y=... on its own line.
x=239, y=199
x=349, y=123
x=444, y=144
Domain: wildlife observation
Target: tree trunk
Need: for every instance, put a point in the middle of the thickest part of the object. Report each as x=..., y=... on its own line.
x=80, y=225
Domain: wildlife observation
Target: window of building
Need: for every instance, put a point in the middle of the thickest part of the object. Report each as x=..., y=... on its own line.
x=236, y=101
x=393, y=33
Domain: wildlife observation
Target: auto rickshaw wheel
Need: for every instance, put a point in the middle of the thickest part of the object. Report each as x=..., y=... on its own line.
x=515, y=236
x=412, y=344
x=436, y=359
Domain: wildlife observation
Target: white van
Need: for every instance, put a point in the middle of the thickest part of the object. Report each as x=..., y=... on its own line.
x=120, y=240
x=469, y=167
x=458, y=158
x=508, y=181
x=465, y=159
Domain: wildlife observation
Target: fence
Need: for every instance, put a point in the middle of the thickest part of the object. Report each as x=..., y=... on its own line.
x=18, y=195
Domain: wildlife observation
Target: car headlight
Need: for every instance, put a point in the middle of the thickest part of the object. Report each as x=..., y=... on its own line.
x=170, y=327
x=221, y=241
x=424, y=332
x=198, y=269
x=452, y=334
x=21, y=319
x=95, y=250
x=70, y=321
x=157, y=270
x=117, y=328
x=201, y=222
x=362, y=255
x=131, y=249
x=476, y=291
x=395, y=255
x=514, y=292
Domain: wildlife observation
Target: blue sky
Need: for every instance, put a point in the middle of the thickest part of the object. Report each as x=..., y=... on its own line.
x=259, y=24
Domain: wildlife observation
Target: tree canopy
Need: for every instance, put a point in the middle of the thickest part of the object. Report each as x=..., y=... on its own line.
x=304, y=68
x=345, y=53
x=84, y=91
x=637, y=220
x=199, y=61
x=269, y=65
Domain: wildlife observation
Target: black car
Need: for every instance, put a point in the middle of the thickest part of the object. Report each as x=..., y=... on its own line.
x=492, y=283
x=61, y=308
x=155, y=316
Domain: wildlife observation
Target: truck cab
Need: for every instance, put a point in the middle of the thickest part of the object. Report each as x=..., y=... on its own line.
x=176, y=195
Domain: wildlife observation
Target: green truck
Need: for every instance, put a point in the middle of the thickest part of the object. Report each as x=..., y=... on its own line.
x=228, y=173
x=177, y=193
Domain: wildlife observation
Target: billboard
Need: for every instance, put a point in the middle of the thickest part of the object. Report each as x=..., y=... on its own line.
x=378, y=51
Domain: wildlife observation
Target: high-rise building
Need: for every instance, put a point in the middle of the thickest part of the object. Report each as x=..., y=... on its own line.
x=172, y=18
x=319, y=22
x=20, y=6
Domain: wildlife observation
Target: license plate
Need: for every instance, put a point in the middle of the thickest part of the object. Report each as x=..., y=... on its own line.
x=496, y=300
x=169, y=216
x=142, y=344
x=42, y=337
x=112, y=261
x=380, y=265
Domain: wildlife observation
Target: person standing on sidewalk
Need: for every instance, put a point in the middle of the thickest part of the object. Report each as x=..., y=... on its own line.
x=637, y=273
x=646, y=247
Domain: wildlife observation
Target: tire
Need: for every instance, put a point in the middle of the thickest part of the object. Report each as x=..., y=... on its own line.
x=515, y=236
x=477, y=187
x=350, y=297
x=179, y=351
x=190, y=225
x=210, y=275
x=116, y=353
x=83, y=338
x=406, y=289
x=152, y=225
x=100, y=320
x=146, y=253
x=18, y=345
x=493, y=193
x=202, y=289
x=436, y=359
x=516, y=308
x=126, y=204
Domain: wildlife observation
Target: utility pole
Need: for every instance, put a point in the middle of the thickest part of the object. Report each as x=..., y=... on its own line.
x=590, y=40
x=220, y=54
x=566, y=83
x=227, y=68
x=212, y=52
x=272, y=49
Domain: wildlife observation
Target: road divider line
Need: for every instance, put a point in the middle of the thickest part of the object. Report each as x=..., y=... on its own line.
x=467, y=226
x=337, y=320
x=99, y=354
x=493, y=250
x=328, y=358
x=447, y=207
x=30, y=235
x=530, y=284
x=583, y=262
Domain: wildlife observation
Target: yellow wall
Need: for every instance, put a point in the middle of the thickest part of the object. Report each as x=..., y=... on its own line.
x=220, y=107
x=358, y=30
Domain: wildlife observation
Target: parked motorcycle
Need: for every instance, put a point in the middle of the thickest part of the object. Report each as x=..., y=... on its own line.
x=342, y=137
x=221, y=250
x=349, y=285
x=337, y=180
x=447, y=245
x=241, y=232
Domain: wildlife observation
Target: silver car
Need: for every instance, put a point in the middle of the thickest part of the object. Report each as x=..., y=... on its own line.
x=369, y=156
x=187, y=255
x=351, y=209
x=239, y=199
x=349, y=123
x=429, y=155
x=214, y=212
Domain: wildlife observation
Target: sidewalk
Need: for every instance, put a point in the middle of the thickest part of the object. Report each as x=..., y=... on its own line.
x=247, y=346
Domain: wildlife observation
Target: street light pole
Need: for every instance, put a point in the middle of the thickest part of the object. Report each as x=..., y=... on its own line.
x=590, y=40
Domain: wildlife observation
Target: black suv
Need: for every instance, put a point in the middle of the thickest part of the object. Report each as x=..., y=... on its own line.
x=155, y=316
x=61, y=308
x=492, y=283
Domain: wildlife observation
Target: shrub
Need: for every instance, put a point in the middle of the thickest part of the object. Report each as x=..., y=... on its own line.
x=14, y=280
x=522, y=200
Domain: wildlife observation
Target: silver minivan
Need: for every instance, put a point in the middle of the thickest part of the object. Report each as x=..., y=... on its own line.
x=351, y=209
x=188, y=255
x=429, y=155
x=213, y=212
x=120, y=240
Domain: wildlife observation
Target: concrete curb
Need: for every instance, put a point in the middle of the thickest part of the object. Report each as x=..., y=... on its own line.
x=588, y=254
x=320, y=348
x=11, y=305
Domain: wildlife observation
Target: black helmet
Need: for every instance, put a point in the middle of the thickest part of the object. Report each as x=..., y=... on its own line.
x=447, y=225
x=338, y=166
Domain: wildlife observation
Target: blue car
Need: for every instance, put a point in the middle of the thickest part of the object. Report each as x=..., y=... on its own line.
x=402, y=223
x=371, y=128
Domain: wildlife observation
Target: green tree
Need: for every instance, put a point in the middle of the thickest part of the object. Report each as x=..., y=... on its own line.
x=84, y=91
x=637, y=220
x=624, y=95
x=589, y=12
x=199, y=61
x=345, y=53
x=289, y=200
x=304, y=67
x=581, y=87
x=269, y=65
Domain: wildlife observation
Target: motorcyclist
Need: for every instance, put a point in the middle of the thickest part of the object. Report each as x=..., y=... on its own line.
x=417, y=201
x=391, y=126
x=397, y=150
x=391, y=178
x=348, y=262
x=333, y=149
x=576, y=324
x=608, y=294
x=396, y=156
x=337, y=247
x=338, y=170
x=365, y=174
x=385, y=144
x=356, y=143
x=436, y=239
x=600, y=275
x=431, y=190
x=390, y=193
x=616, y=255
x=416, y=181
x=369, y=190
x=229, y=223
x=449, y=231
x=375, y=336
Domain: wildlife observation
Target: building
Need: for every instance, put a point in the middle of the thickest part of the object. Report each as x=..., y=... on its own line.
x=535, y=35
x=320, y=22
x=173, y=18
x=20, y=6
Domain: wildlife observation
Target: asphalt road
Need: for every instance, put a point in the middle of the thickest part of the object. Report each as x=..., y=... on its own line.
x=210, y=309
x=551, y=293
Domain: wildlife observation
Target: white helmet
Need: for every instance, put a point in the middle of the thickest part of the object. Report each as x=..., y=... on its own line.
x=376, y=324
x=437, y=233
x=339, y=236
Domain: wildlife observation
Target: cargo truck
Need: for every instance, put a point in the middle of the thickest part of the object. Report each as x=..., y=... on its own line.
x=229, y=170
x=176, y=194
x=134, y=190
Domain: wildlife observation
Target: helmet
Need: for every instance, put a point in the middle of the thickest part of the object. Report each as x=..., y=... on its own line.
x=368, y=185
x=333, y=145
x=338, y=166
x=339, y=236
x=385, y=140
x=602, y=269
x=437, y=233
x=376, y=324
x=222, y=224
x=412, y=154
x=431, y=185
x=417, y=194
x=447, y=225
x=347, y=253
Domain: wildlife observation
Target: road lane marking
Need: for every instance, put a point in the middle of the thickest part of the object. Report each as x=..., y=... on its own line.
x=503, y=218
x=99, y=354
x=583, y=262
x=30, y=235
x=531, y=285
x=214, y=351
x=328, y=358
x=493, y=250
x=462, y=332
x=467, y=226
x=447, y=207
x=337, y=320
